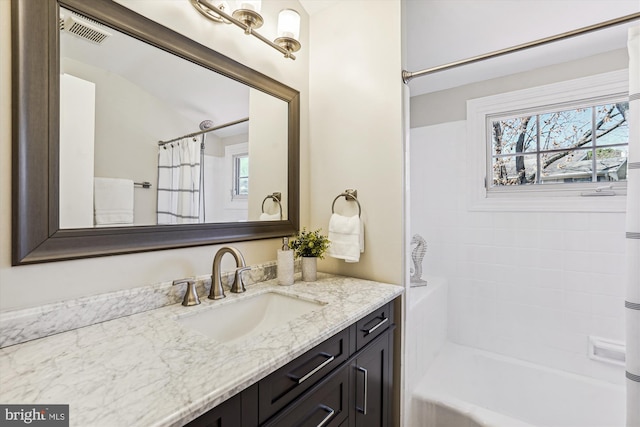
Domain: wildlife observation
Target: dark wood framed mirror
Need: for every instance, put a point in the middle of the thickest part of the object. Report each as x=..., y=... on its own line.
x=37, y=235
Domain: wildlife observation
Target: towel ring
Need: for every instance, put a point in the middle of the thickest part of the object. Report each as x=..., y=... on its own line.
x=348, y=194
x=276, y=197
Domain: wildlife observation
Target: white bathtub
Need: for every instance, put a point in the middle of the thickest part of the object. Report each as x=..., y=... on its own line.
x=456, y=386
x=495, y=390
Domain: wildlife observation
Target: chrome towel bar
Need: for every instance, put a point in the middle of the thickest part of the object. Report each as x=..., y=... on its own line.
x=276, y=197
x=348, y=194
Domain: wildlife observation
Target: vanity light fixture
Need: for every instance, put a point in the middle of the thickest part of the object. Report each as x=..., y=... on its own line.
x=247, y=16
x=248, y=12
x=288, y=31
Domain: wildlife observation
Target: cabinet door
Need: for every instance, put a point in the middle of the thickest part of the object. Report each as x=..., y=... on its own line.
x=227, y=414
x=371, y=380
x=240, y=410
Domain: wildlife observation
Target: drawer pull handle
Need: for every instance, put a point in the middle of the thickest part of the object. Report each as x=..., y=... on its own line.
x=317, y=368
x=380, y=323
x=330, y=414
x=366, y=386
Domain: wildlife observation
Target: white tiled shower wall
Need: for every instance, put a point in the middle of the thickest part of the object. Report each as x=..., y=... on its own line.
x=523, y=284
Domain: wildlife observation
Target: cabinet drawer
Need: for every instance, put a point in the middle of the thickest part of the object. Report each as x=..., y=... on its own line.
x=325, y=405
x=373, y=325
x=288, y=382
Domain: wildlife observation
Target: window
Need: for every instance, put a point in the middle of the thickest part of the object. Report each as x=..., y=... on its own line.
x=236, y=177
x=533, y=149
x=558, y=146
x=241, y=176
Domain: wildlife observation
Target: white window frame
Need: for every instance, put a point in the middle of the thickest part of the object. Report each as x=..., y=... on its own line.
x=236, y=176
x=230, y=153
x=553, y=197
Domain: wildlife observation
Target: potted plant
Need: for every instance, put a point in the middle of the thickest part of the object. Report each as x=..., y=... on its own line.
x=309, y=245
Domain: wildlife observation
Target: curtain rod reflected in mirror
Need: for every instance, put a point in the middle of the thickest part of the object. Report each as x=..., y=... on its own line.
x=246, y=119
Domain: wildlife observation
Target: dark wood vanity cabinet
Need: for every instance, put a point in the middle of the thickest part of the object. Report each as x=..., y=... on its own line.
x=239, y=411
x=346, y=381
x=227, y=414
x=283, y=386
x=326, y=404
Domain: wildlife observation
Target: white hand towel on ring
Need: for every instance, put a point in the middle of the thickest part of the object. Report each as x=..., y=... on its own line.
x=346, y=234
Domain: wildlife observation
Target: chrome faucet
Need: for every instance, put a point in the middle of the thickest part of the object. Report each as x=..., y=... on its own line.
x=217, y=292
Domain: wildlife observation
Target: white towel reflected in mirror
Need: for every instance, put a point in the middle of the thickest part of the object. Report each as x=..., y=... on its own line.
x=113, y=201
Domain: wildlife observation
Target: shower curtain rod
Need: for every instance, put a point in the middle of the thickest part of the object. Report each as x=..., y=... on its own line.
x=246, y=119
x=408, y=75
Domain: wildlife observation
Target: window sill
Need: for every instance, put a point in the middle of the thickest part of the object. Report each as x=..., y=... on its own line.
x=603, y=204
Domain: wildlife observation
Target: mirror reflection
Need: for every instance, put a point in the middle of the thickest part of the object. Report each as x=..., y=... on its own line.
x=148, y=138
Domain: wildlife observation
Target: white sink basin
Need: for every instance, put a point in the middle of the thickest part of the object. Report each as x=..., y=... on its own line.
x=248, y=317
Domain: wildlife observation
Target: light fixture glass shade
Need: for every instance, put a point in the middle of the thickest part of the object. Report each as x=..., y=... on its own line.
x=228, y=6
x=289, y=24
x=254, y=5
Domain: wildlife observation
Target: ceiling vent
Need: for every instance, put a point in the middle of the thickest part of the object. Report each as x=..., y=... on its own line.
x=83, y=29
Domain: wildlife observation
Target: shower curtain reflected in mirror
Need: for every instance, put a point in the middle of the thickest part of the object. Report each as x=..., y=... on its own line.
x=179, y=181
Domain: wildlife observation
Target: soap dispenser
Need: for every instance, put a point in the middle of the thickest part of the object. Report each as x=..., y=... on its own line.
x=285, y=264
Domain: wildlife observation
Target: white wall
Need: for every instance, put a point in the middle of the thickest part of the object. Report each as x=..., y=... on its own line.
x=125, y=146
x=77, y=130
x=268, y=142
x=528, y=285
x=33, y=285
x=356, y=128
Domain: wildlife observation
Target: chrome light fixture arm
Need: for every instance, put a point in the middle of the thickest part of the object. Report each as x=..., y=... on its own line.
x=248, y=21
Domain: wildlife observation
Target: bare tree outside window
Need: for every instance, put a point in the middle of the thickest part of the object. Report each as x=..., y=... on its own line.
x=559, y=146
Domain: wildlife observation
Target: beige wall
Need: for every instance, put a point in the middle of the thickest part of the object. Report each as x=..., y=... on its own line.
x=33, y=285
x=354, y=141
x=356, y=128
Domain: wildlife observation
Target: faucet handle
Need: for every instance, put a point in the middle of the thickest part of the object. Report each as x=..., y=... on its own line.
x=238, y=282
x=190, y=295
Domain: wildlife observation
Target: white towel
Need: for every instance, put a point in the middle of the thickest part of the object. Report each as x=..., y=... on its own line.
x=346, y=234
x=113, y=201
x=269, y=217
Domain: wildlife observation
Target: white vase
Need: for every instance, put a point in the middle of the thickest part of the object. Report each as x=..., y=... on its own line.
x=309, y=268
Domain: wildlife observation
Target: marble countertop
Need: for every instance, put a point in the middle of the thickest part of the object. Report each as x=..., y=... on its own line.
x=148, y=370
